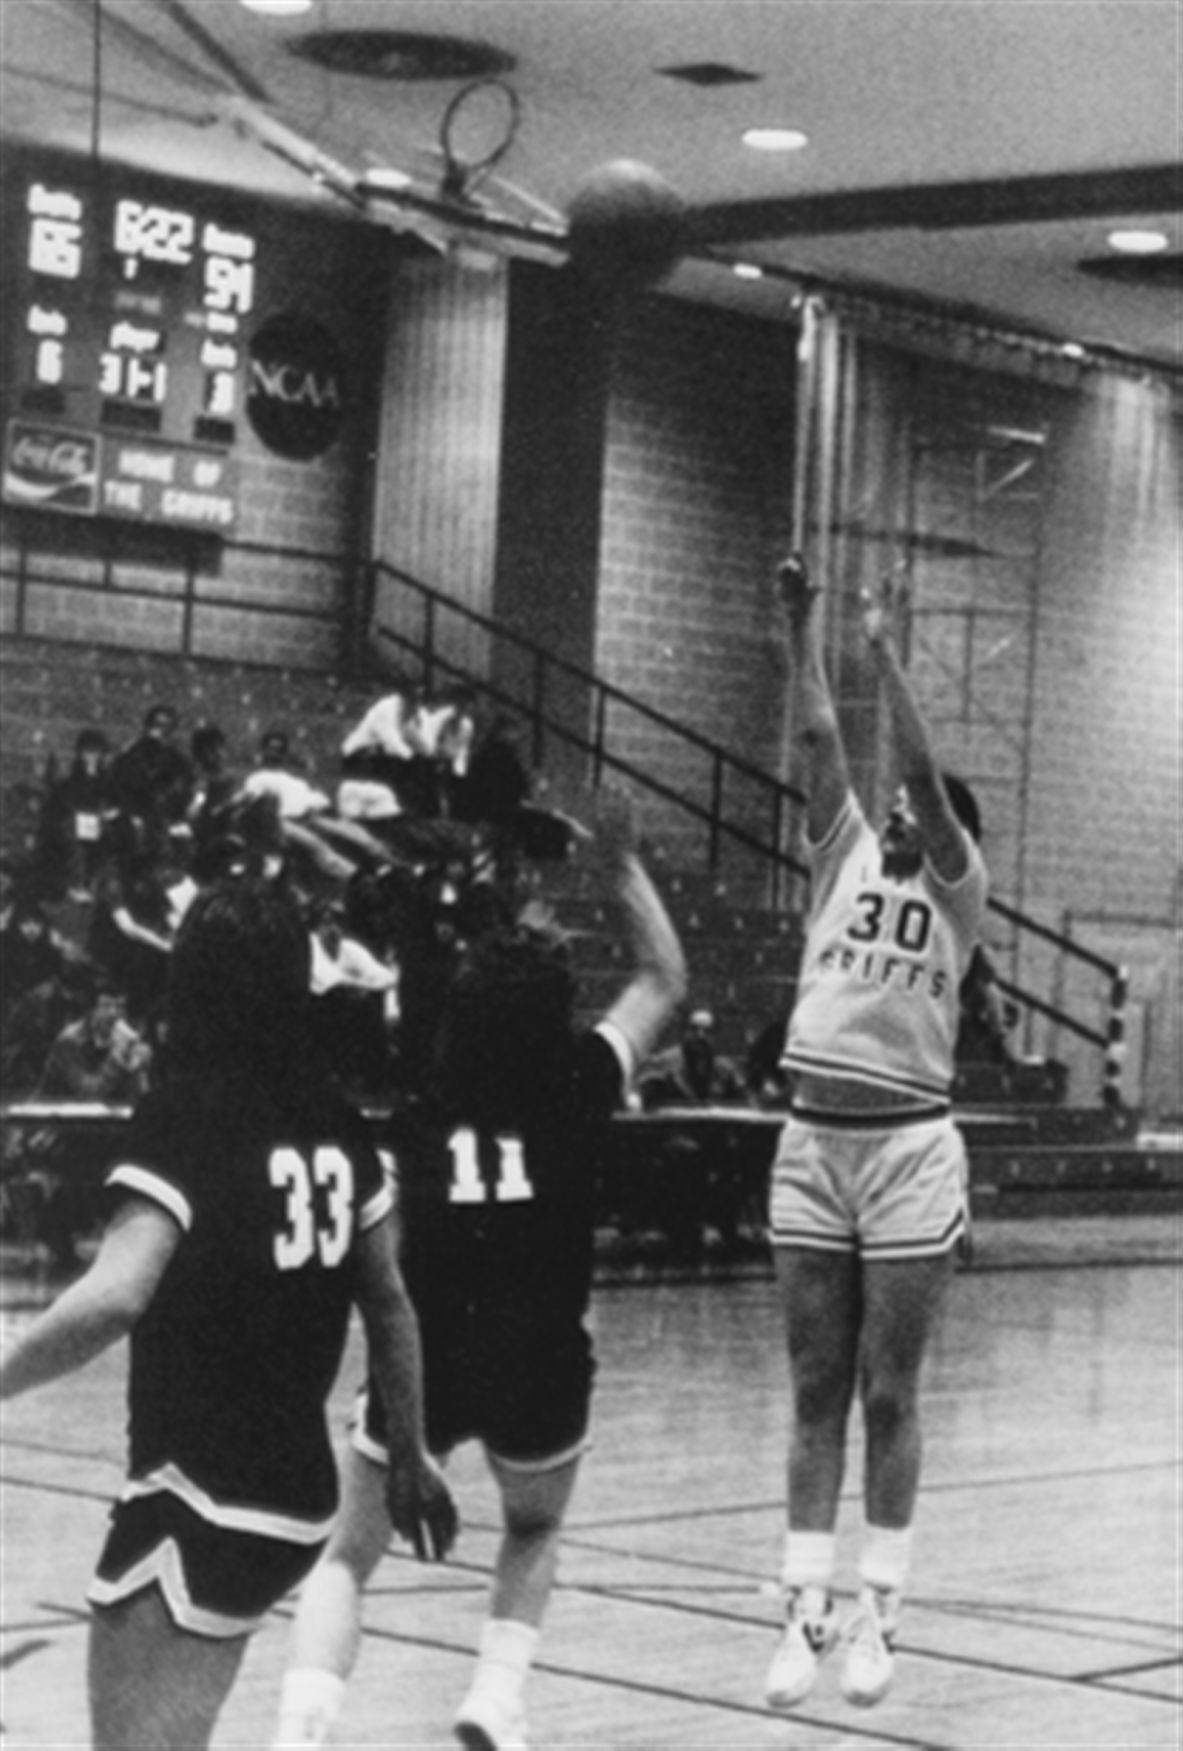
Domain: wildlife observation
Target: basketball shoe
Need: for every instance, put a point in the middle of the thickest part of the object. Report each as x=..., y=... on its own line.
x=491, y=1720
x=869, y=1637
x=810, y=1631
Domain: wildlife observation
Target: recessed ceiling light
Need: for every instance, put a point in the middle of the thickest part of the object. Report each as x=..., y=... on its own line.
x=400, y=55
x=1138, y=242
x=747, y=270
x=278, y=5
x=775, y=139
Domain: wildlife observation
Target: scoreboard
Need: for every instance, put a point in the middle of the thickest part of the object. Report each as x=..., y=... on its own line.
x=126, y=312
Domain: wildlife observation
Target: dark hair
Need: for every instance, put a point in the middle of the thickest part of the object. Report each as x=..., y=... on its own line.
x=239, y=997
x=91, y=741
x=160, y=714
x=503, y=1040
x=98, y=980
x=206, y=739
x=964, y=805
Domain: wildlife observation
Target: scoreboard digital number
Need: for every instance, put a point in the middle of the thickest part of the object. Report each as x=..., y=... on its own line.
x=128, y=353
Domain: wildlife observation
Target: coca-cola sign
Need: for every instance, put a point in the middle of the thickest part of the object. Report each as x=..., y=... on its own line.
x=295, y=386
x=51, y=468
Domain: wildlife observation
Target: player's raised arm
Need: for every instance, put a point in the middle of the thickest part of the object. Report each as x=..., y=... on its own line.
x=944, y=841
x=821, y=757
x=659, y=982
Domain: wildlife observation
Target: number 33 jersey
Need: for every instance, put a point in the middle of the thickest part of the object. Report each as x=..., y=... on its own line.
x=234, y=1360
x=878, y=991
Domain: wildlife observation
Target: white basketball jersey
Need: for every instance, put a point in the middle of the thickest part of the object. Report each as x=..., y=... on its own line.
x=877, y=994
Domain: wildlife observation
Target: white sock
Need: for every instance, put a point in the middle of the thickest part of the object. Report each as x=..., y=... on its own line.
x=309, y=1703
x=505, y=1654
x=885, y=1557
x=809, y=1559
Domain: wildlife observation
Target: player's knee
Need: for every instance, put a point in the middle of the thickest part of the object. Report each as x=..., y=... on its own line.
x=532, y=1518
x=822, y=1399
x=889, y=1405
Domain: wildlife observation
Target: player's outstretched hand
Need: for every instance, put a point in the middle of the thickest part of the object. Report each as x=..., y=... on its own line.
x=421, y=1508
x=882, y=609
x=798, y=592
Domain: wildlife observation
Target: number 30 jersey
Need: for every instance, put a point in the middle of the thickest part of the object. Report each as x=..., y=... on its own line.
x=878, y=990
x=233, y=1362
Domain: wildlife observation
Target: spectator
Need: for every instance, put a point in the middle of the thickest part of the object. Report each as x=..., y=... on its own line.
x=288, y=810
x=440, y=736
x=495, y=783
x=698, y=1176
x=132, y=929
x=96, y=1057
x=278, y=775
x=100, y=1057
x=33, y=1023
x=151, y=779
x=692, y=1073
x=275, y=751
x=356, y=1004
x=214, y=789
x=76, y=815
x=986, y=1017
x=376, y=758
x=32, y=952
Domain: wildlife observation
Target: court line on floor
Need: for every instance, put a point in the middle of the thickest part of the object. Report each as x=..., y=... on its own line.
x=673, y=1516
x=633, y=1593
x=641, y=1687
x=627, y=1594
x=1005, y=1668
x=106, y=1497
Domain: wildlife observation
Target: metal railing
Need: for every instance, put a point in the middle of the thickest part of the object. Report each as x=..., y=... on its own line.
x=421, y=636
x=737, y=802
x=414, y=626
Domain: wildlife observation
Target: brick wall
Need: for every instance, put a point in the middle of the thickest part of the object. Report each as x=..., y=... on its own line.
x=695, y=513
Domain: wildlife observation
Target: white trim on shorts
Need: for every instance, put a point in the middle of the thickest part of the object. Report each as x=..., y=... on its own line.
x=377, y=1454
x=258, y=1521
x=820, y=1200
x=163, y=1565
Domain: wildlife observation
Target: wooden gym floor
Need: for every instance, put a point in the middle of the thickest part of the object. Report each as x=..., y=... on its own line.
x=1046, y=1595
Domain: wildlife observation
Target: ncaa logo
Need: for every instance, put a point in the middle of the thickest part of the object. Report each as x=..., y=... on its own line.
x=295, y=396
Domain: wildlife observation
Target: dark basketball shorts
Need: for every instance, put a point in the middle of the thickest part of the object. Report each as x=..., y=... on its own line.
x=214, y=1582
x=510, y=1365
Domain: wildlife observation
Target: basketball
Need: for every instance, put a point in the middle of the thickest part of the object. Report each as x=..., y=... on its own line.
x=626, y=225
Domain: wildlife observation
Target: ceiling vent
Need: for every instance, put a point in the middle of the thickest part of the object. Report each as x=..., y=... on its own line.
x=709, y=73
x=1161, y=272
x=400, y=55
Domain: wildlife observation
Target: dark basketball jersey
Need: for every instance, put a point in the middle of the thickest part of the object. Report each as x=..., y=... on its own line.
x=518, y=1192
x=232, y=1363
x=497, y=1253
